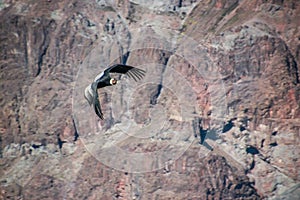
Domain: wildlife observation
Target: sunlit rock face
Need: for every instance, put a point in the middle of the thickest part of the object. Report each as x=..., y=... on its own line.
x=216, y=116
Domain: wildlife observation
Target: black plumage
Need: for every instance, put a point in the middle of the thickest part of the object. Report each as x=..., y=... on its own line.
x=104, y=79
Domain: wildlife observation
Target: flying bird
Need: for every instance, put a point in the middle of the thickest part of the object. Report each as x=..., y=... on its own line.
x=104, y=79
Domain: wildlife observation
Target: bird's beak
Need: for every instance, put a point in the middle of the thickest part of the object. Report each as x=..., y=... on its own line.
x=113, y=81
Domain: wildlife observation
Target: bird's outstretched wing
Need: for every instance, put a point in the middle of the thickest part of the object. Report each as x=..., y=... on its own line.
x=96, y=102
x=97, y=108
x=132, y=72
x=91, y=95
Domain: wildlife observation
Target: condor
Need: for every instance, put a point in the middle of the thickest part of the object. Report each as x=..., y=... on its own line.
x=104, y=79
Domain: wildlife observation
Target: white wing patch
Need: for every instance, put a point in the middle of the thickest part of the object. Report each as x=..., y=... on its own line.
x=98, y=76
x=88, y=89
x=88, y=93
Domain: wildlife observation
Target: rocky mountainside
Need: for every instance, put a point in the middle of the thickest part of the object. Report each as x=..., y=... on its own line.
x=217, y=115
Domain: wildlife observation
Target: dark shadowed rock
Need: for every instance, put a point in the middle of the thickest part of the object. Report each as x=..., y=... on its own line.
x=252, y=150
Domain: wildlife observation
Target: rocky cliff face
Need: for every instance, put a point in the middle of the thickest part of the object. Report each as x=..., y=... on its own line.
x=226, y=72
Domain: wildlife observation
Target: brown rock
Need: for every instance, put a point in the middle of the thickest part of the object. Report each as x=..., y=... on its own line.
x=209, y=63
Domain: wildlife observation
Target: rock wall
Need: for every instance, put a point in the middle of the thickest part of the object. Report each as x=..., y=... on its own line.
x=228, y=69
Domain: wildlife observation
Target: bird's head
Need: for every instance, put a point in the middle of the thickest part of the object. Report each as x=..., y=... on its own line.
x=113, y=81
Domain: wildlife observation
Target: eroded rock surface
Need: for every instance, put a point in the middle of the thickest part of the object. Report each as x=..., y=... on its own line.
x=215, y=68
